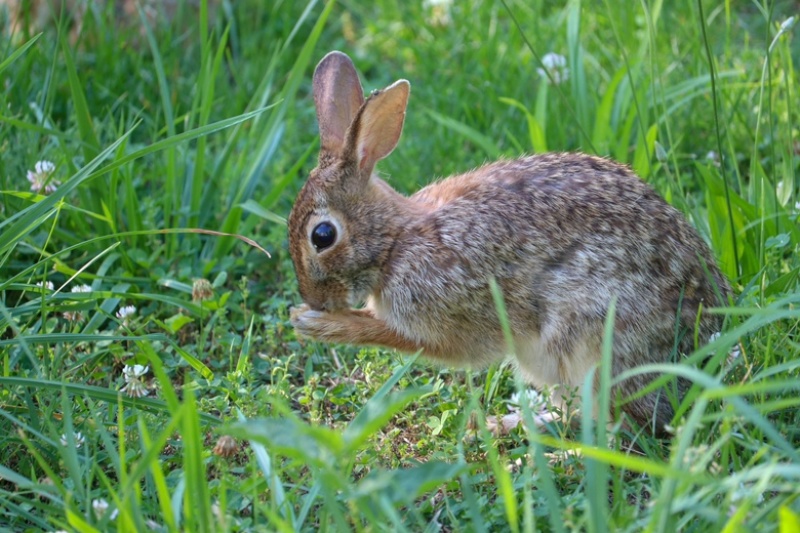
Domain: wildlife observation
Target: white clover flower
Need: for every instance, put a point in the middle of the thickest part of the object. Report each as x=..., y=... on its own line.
x=135, y=387
x=79, y=439
x=101, y=506
x=47, y=285
x=540, y=411
x=439, y=12
x=535, y=400
x=135, y=371
x=81, y=288
x=126, y=311
x=556, y=66
x=39, y=178
x=713, y=158
x=43, y=167
x=73, y=316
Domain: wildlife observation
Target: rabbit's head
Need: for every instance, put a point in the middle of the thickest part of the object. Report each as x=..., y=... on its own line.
x=344, y=220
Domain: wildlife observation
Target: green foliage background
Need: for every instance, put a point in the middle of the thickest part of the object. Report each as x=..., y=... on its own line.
x=180, y=142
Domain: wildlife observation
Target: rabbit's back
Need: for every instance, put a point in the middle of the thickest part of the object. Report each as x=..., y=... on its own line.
x=562, y=234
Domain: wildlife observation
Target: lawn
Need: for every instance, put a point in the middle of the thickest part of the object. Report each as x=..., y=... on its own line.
x=151, y=379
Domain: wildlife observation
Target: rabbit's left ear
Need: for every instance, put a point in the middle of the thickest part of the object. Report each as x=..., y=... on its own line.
x=338, y=97
x=377, y=127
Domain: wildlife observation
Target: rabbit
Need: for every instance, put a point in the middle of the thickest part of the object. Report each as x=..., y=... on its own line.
x=561, y=233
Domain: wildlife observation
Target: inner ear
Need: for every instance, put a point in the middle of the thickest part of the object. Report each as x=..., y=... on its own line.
x=338, y=96
x=378, y=125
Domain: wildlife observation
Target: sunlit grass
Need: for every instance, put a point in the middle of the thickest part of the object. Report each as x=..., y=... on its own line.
x=171, y=139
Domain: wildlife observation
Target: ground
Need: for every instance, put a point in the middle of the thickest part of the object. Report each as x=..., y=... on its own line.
x=149, y=162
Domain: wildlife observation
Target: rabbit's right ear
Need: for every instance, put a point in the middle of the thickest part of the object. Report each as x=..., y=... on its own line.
x=338, y=96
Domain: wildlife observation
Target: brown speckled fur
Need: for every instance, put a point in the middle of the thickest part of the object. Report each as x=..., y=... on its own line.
x=561, y=233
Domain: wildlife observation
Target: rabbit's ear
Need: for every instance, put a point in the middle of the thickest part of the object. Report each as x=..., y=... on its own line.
x=338, y=96
x=378, y=126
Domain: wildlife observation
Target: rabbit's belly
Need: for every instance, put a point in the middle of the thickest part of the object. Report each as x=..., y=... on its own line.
x=543, y=366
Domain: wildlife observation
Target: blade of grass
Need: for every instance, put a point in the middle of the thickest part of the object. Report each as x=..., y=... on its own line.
x=89, y=141
x=597, y=472
x=18, y=52
x=170, y=199
x=715, y=101
x=502, y=477
x=197, y=500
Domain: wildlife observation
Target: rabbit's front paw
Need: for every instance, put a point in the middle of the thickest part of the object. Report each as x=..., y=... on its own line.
x=313, y=324
x=295, y=313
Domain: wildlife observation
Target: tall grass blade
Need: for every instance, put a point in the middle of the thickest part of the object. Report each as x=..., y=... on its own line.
x=18, y=52
x=89, y=141
x=715, y=101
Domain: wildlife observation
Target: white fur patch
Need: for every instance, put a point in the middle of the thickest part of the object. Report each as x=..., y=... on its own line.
x=537, y=365
x=540, y=367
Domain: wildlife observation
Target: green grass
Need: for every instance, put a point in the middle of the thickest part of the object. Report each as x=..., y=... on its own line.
x=170, y=141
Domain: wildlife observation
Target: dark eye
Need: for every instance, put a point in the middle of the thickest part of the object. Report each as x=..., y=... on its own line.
x=323, y=236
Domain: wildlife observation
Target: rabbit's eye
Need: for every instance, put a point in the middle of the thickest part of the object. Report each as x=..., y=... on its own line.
x=323, y=236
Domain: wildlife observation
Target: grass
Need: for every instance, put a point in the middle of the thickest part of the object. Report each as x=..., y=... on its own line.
x=170, y=140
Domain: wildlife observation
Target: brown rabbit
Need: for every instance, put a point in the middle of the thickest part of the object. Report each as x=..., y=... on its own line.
x=562, y=234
